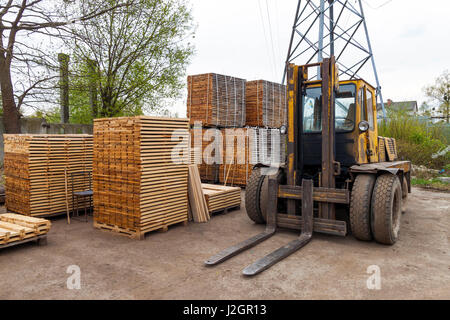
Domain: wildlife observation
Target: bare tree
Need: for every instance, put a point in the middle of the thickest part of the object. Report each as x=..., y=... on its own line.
x=20, y=21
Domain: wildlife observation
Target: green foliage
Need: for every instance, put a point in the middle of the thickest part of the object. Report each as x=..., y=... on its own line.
x=439, y=92
x=135, y=55
x=435, y=184
x=417, y=141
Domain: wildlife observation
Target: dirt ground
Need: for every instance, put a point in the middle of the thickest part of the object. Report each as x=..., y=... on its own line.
x=170, y=265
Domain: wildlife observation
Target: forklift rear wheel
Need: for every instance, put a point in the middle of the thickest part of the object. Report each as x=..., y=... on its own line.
x=386, y=209
x=256, y=194
x=360, y=206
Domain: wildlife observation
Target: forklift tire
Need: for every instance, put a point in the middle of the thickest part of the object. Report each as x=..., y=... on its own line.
x=386, y=209
x=256, y=194
x=360, y=206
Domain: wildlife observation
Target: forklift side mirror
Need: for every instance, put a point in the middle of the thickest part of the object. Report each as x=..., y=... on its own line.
x=363, y=126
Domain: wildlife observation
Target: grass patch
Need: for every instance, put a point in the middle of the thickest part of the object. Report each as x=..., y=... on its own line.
x=434, y=184
x=417, y=140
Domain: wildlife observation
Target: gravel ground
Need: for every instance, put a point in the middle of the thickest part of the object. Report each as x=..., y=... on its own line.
x=170, y=265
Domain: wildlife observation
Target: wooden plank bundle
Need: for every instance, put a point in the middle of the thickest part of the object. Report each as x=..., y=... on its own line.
x=246, y=147
x=216, y=100
x=206, y=161
x=219, y=198
x=34, y=171
x=139, y=183
x=198, y=205
x=15, y=227
x=266, y=104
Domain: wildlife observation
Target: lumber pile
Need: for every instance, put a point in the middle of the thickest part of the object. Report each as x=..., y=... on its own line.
x=139, y=186
x=201, y=139
x=247, y=147
x=219, y=198
x=34, y=171
x=216, y=100
x=197, y=203
x=16, y=227
x=266, y=104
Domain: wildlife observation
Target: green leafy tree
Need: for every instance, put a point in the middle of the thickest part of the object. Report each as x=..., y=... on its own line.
x=440, y=92
x=137, y=55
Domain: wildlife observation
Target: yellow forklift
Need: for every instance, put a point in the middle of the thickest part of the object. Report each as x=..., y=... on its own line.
x=338, y=171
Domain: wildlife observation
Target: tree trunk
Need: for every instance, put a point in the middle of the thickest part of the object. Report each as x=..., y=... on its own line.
x=11, y=116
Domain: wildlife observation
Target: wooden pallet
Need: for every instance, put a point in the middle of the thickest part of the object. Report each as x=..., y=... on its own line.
x=216, y=100
x=34, y=171
x=137, y=185
x=40, y=240
x=15, y=227
x=266, y=104
x=134, y=233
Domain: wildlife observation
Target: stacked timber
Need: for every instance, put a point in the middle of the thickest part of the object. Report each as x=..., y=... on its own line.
x=219, y=198
x=140, y=174
x=35, y=171
x=244, y=148
x=206, y=149
x=216, y=100
x=266, y=104
x=15, y=227
x=197, y=203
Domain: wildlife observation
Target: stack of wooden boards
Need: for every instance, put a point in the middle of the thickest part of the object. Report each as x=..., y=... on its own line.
x=266, y=104
x=238, y=150
x=219, y=198
x=16, y=227
x=34, y=171
x=216, y=100
x=140, y=174
x=197, y=203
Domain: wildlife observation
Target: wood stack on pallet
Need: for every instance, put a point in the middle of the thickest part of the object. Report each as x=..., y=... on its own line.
x=266, y=104
x=220, y=198
x=200, y=139
x=216, y=100
x=34, y=171
x=140, y=174
x=15, y=228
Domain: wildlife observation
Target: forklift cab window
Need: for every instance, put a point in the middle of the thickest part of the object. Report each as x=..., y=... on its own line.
x=345, y=109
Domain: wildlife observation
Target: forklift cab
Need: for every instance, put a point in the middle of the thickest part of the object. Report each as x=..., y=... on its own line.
x=355, y=123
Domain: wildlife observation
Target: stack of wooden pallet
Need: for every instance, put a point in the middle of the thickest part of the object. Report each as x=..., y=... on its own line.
x=266, y=104
x=216, y=100
x=219, y=198
x=35, y=171
x=15, y=227
x=140, y=174
x=201, y=139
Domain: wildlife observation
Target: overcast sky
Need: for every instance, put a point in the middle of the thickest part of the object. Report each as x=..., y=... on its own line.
x=249, y=39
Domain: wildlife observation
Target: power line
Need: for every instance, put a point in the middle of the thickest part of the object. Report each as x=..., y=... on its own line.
x=376, y=8
x=271, y=61
x=271, y=36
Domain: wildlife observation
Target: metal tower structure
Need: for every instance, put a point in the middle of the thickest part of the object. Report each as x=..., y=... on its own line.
x=334, y=27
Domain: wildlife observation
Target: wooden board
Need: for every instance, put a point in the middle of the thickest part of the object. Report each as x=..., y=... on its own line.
x=221, y=197
x=216, y=100
x=138, y=185
x=15, y=227
x=266, y=104
x=34, y=171
x=197, y=202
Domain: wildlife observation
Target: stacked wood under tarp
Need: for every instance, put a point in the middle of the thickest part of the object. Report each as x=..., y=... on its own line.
x=266, y=104
x=219, y=198
x=140, y=174
x=16, y=227
x=34, y=171
x=216, y=100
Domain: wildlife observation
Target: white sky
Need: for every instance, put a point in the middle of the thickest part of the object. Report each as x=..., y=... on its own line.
x=410, y=41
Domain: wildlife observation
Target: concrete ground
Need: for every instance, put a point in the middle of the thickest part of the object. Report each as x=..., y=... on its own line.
x=170, y=265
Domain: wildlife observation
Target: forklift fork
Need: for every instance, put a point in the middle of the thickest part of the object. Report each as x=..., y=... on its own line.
x=271, y=226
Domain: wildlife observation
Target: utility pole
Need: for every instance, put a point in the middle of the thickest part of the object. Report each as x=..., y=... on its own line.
x=323, y=28
x=64, y=86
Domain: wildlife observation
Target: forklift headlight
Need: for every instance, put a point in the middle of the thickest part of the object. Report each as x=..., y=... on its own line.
x=363, y=126
x=283, y=129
